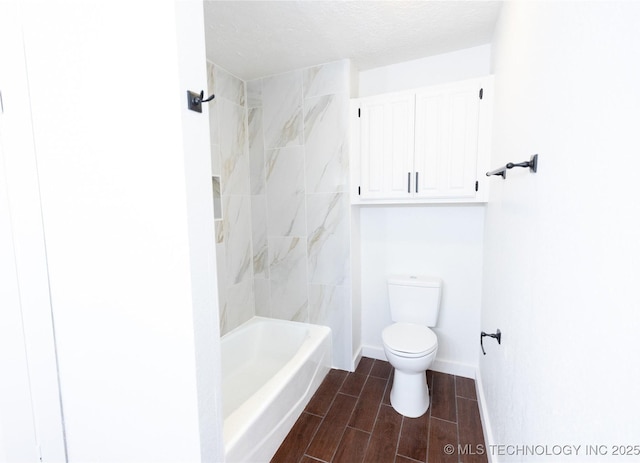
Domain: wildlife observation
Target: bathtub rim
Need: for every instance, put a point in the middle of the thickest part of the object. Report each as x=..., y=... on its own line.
x=239, y=422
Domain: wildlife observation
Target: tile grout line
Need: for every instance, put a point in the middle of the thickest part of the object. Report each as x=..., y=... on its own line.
x=376, y=419
x=426, y=459
x=442, y=419
x=455, y=397
x=377, y=414
x=333, y=455
x=408, y=458
x=395, y=457
x=322, y=421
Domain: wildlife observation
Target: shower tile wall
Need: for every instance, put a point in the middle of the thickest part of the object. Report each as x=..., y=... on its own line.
x=230, y=161
x=298, y=144
x=296, y=172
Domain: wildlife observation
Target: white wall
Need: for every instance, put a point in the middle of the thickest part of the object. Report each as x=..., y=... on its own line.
x=189, y=27
x=29, y=392
x=562, y=249
x=438, y=240
x=443, y=241
x=17, y=427
x=433, y=70
x=125, y=185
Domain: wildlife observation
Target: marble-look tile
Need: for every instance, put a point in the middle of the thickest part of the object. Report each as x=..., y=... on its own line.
x=217, y=198
x=328, y=238
x=282, y=110
x=254, y=93
x=216, y=163
x=229, y=87
x=330, y=306
x=288, y=283
x=256, y=151
x=325, y=303
x=221, y=266
x=240, y=305
x=237, y=237
x=287, y=258
x=211, y=77
x=326, y=79
x=285, y=191
x=259, y=235
x=326, y=143
x=223, y=318
x=233, y=150
x=289, y=299
x=214, y=120
x=262, y=293
x=219, y=229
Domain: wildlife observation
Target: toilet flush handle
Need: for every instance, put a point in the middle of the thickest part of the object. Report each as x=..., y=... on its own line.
x=497, y=335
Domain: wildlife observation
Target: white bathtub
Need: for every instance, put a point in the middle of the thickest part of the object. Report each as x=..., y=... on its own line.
x=270, y=370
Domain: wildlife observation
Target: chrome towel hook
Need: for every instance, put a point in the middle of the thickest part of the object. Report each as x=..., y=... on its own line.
x=195, y=100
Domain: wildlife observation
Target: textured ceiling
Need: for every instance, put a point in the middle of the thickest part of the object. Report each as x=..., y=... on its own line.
x=254, y=39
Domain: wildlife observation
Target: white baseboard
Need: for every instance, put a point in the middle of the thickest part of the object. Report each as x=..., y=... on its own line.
x=454, y=368
x=443, y=366
x=484, y=417
x=373, y=352
x=356, y=360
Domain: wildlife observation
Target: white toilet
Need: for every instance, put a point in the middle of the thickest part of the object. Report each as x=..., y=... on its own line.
x=410, y=346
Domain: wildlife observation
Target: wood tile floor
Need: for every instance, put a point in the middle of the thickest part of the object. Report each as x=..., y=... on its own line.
x=350, y=419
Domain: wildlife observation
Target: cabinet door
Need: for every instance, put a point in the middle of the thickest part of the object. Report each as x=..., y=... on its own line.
x=386, y=164
x=446, y=140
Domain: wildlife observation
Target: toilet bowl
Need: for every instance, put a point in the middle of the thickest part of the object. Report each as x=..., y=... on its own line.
x=409, y=344
x=410, y=349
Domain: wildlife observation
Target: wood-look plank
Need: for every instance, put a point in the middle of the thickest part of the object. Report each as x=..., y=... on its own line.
x=470, y=431
x=329, y=434
x=381, y=369
x=364, y=367
x=414, y=437
x=466, y=387
x=308, y=459
x=366, y=410
x=384, y=438
x=441, y=435
x=338, y=427
x=401, y=459
x=387, y=393
x=298, y=439
x=352, y=446
x=443, y=403
x=322, y=399
x=353, y=384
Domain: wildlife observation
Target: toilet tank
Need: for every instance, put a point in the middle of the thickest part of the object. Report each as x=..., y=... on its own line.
x=414, y=299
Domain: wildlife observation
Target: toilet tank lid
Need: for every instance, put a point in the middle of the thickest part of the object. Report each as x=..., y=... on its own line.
x=415, y=280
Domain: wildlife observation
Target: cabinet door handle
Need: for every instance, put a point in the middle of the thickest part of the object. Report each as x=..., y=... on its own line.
x=408, y=182
x=416, y=182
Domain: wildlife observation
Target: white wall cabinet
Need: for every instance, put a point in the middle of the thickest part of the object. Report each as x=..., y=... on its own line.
x=424, y=145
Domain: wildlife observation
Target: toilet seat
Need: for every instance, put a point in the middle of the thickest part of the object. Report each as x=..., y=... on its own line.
x=409, y=339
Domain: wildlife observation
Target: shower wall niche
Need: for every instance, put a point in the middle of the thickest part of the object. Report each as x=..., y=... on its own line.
x=280, y=147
